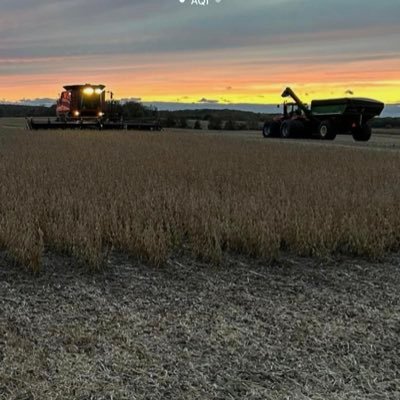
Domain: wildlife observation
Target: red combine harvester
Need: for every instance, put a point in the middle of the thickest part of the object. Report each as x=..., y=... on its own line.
x=85, y=107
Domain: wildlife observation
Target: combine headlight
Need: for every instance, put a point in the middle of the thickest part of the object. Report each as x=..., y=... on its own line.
x=98, y=91
x=76, y=113
x=88, y=91
x=100, y=114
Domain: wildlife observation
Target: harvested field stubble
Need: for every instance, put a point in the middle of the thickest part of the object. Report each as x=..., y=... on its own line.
x=84, y=193
x=300, y=329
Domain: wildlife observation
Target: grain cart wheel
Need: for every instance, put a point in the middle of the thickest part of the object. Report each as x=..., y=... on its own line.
x=362, y=133
x=271, y=129
x=292, y=128
x=326, y=131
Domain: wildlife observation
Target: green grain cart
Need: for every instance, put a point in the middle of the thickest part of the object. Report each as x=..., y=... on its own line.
x=324, y=119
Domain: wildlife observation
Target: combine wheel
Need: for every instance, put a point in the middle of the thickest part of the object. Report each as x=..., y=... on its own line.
x=362, y=133
x=326, y=131
x=271, y=129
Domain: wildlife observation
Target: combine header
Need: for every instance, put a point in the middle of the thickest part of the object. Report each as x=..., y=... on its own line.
x=324, y=119
x=85, y=107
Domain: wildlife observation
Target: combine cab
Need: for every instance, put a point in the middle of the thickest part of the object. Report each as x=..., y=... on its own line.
x=325, y=119
x=85, y=107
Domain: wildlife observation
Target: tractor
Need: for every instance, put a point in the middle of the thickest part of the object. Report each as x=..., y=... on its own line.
x=324, y=119
x=85, y=107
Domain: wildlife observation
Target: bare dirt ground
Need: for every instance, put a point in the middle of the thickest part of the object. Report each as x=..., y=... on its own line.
x=382, y=139
x=299, y=329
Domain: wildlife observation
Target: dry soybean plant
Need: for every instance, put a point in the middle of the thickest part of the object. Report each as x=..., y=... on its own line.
x=153, y=195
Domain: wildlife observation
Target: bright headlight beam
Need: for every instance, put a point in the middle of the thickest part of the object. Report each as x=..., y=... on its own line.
x=89, y=91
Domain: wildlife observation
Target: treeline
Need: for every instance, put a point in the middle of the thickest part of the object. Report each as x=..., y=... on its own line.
x=386, y=123
x=213, y=119
x=187, y=119
x=127, y=110
x=131, y=110
x=212, y=123
x=194, y=119
x=208, y=114
x=18, y=111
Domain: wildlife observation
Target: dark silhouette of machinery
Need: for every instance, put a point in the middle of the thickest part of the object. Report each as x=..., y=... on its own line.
x=324, y=119
x=85, y=107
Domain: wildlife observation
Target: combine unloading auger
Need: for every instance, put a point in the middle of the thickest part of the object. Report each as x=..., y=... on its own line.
x=85, y=107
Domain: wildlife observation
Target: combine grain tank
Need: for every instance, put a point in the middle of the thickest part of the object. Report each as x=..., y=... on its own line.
x=325, y=118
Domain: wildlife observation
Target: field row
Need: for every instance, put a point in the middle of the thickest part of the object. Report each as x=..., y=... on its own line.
x=85, y=194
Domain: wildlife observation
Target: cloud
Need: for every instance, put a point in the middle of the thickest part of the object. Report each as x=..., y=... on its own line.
x=208, y=101
x=155, y=26
x=44, y=42
x=129, y=99
x=47, y=102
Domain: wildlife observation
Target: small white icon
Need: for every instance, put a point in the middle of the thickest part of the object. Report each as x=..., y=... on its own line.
x=200, y=2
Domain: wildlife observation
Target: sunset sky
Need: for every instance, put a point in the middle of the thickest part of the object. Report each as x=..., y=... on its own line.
x=235, y=51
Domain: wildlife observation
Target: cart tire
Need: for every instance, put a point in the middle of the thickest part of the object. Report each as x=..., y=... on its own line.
x=362, y=133
x=326, y=131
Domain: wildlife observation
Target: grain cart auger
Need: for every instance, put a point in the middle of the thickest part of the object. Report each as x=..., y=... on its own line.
x=85, y=107
x=324, y=119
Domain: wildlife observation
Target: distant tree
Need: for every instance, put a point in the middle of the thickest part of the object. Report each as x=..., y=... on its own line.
x=114, y=110
x=197, y=125
x=215, y=124
x=152, y=111
x=385, y=122
x=133, y=109
x=253, y=125
x=183, y=123
x=242, y=126
x=12, y=110
x=230, y=125
x=53, y=109
x=170, y=121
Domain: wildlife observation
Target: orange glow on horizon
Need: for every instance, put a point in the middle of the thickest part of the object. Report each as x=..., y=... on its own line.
x=239, y=81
